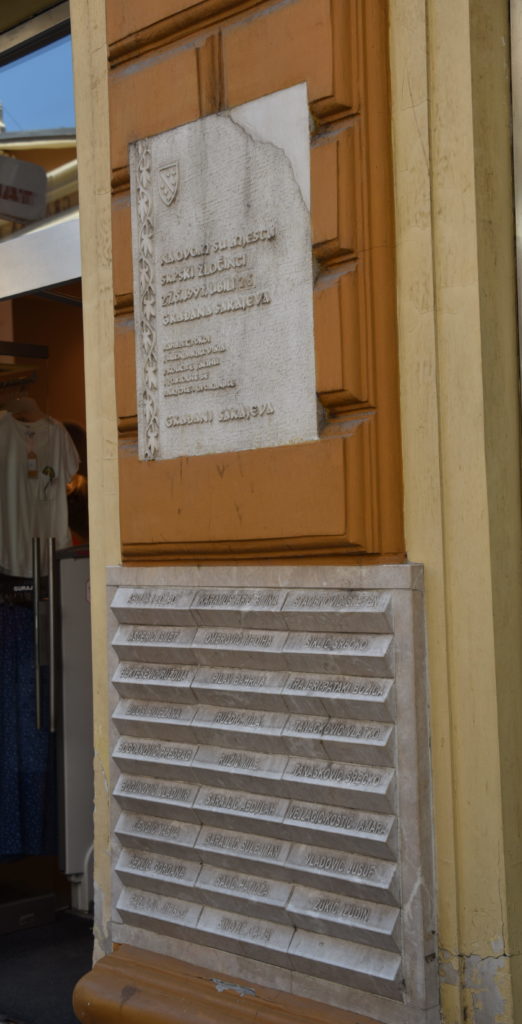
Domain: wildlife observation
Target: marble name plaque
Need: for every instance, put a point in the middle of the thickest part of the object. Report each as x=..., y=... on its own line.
x=338, y=782
x=236, y=849
x=270, y=779
x=259, y=896
x=310, y=693
x=346, y=918
x=242, y=934
x=366, y=611
x=223, y=281
x=342, y=872
x=155, y=796
x=166, y=875
x=240, y=688
x=155, y=682
x=157, y=835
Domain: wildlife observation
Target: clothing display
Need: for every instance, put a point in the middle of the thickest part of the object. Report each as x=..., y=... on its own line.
x=37, y=459
x=27, y=754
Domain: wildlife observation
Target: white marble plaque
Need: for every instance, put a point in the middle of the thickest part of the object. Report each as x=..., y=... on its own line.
x=230, y=848
x=347, y=918
x=156, y=796
x=344, y=872
x=270, y=779
x=223, y=281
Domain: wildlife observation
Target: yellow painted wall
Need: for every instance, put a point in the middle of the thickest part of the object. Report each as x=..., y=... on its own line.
x=460, y=435
x=90, y=71
x=460, y=424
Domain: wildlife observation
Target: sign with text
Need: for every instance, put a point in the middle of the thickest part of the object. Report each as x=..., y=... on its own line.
x=23, y=190
x=223, y=281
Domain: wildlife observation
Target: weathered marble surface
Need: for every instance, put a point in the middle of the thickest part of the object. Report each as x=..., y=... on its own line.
x=271, y=773
x=223, y=281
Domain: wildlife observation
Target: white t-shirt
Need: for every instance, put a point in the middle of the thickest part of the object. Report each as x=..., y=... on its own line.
x=37, y=460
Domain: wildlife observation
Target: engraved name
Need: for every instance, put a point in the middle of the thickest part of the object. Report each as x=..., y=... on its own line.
x=245, y=930
x=340, y=866
x=243, y=805
x=243, y=718
x=336, y=773
x=357, y=687
x=238, y=679
x=155, y=711
x=245, y=886
x=337, y=643
x=158, y=598
x=178, y=794
x=248, y=847
x=325, y=905
x=353, y=731
x=244, y=762
x=158, y=751
x=157, y=828
x=157, y=867
x=337, y=819
x=172, y=675
x=236, y=598
x=239, y=639
x=151, y=636
x=356, y=600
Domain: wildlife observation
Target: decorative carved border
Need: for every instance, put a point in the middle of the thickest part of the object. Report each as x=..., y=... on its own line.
x=147, y=298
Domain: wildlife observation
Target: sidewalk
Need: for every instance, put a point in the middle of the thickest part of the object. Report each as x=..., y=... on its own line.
x=39, y=968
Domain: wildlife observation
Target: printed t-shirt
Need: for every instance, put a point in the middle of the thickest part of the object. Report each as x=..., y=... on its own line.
x=36, y=462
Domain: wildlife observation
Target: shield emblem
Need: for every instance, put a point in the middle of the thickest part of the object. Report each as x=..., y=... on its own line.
x=168, y=182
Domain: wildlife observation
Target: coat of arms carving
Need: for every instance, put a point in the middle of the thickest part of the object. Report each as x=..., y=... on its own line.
x=168, y=182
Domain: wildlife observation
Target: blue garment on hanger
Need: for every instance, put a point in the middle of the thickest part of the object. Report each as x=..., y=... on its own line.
x=27, y=755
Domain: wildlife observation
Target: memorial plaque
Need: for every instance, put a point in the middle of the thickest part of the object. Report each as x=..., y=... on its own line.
x=157, y=605
x=161, y=913
x=356, y=964
x=142, y=680
x=247, y=935
x=165, y=875
x=144, y=832
x=240, y=688
x=347, y=918
x=152, y=718
x=339, y=695
x=345, y=872
x=368, y=742
x=154, y=757
x=231, y=809
x=366, y=611
x=239, y=767
x=155, y=796
x=359, y=785
x=357, y=654
x=233, y=848
x=223, y=725
x=233, y=607
x=269, y=783
x=260, y=896
x=223, y=281
x=246, y=648
x=369, y=833
x=161, y=643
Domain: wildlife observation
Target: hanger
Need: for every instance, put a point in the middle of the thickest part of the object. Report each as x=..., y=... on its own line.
x=24, y=408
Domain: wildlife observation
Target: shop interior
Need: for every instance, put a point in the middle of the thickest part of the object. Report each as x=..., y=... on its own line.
x=46, y=777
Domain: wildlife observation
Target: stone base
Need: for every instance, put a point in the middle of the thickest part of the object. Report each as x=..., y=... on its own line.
x=132, y=985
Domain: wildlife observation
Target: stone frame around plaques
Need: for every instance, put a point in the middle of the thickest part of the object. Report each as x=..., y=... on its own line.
x=397, y=605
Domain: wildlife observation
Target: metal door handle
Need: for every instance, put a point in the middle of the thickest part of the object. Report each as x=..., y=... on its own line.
x=36, y=629
x=52, y=635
